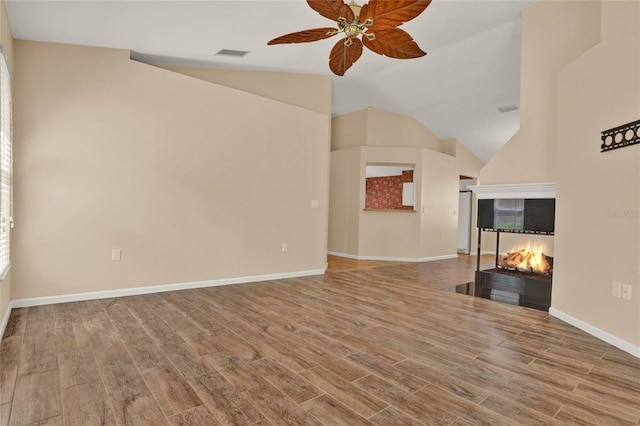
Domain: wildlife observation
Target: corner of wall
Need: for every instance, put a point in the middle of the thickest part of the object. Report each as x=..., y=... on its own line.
x=553, y=34
x=450, y=147
x=598, y=191
x=349, y=130
x=309, y=91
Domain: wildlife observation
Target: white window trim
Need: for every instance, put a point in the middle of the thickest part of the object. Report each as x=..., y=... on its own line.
x=6, y=166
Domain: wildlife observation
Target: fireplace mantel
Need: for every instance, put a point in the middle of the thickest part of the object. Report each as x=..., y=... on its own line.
x=517, y=190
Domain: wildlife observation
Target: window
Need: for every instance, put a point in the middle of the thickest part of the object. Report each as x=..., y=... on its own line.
x=508, y=214
x=5, y=166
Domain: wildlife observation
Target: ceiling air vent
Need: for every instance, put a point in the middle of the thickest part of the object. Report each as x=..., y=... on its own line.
x=508, y=108
x=229, y=52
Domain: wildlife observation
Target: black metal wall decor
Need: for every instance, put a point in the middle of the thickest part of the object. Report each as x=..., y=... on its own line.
x=618, y=137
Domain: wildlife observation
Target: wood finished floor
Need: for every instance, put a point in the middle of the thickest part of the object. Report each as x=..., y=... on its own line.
x=383, y=345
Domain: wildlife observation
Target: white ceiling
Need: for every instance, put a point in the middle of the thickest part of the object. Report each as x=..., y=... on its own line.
x=472, y=65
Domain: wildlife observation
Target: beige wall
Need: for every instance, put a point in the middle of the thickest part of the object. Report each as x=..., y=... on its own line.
x=372, y=127
x=431, y=230
x=344, y=200
x=389, y=233
x=386, y=128
x=304, y=90
x=467, y=163
x=598, y=212
x=428, y=232
x=349, y=130
x=591, y=83
x=6, y=40
x=439, y=214
x=553, y=34
x=112, y=153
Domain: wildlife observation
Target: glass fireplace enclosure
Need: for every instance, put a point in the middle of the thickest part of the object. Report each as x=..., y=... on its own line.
x=515, y=285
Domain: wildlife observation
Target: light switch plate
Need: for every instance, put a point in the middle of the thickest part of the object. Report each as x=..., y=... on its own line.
x=616, y=289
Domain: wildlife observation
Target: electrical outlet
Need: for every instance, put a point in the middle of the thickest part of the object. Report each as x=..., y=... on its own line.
x=115, y=255
x=616, y=288
x=314, y=204
x=285, y=247
x=626, y=291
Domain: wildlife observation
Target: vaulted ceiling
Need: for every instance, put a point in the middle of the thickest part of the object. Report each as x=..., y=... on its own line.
x=472, y=66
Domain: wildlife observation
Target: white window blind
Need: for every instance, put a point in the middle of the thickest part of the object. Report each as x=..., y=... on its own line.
x=5, y=166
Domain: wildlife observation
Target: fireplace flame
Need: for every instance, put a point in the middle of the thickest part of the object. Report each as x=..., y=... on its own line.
x=529, y=259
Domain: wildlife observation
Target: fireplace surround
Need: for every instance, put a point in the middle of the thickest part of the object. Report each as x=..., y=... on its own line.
x=522, y=277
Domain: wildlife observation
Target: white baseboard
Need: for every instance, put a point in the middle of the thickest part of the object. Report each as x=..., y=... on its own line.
x=596, y=332
x=347, y=255
x=482, y=253
x=393, y=259
x=63, y=298
x=5, y=320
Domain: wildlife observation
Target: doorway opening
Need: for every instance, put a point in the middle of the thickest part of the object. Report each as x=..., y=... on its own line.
x=465, y=214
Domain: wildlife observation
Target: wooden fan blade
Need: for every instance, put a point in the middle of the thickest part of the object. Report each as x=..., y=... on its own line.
x=305, y=36
x=364, y=11
x=342, y=57
x=394, y=43
x=388, y=14
x=332, y=9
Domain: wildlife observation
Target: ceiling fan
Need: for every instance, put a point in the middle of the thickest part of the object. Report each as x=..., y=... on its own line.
x=375, y=23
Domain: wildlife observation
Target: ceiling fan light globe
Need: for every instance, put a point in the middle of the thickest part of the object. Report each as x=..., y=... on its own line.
x=352, y=30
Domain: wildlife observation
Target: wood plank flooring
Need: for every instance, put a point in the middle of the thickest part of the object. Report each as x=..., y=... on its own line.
x=365, y=344
x=343, y=264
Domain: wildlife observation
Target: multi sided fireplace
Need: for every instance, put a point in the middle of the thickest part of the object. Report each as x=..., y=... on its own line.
x=523, y=276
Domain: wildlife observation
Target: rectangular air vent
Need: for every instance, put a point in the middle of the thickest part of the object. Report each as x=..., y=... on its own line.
x=508, y=108
x=229, y=52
